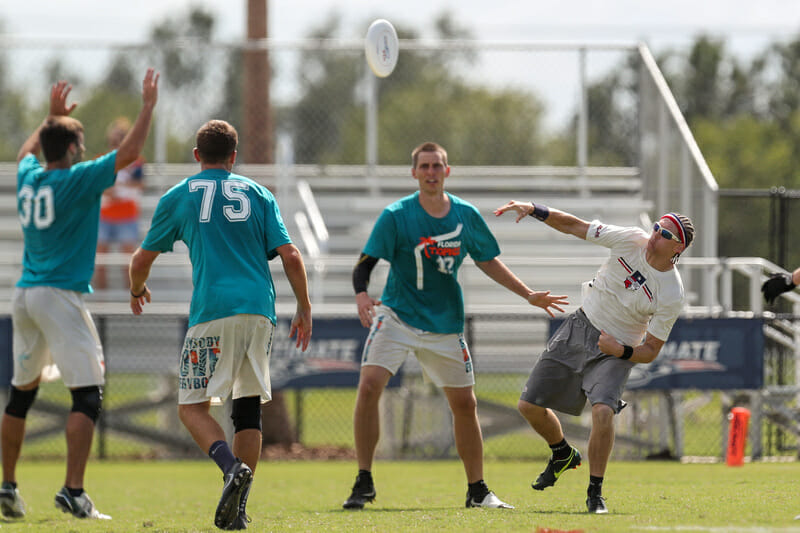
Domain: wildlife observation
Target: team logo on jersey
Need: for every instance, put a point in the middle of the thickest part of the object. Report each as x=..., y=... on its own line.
x=635, y=280
x=597, y=231
x=432, y=248
x=442, y=249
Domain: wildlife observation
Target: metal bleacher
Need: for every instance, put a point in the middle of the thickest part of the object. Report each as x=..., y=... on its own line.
x=350, y=199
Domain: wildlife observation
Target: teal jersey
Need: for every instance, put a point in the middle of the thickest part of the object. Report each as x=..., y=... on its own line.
x=60, y=211
x=232, y=226
x=425, y=253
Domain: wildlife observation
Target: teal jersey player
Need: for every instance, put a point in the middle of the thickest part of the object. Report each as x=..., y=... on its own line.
x=425, y=253
x=232, y=226
x=425, y=238
x=61, y=254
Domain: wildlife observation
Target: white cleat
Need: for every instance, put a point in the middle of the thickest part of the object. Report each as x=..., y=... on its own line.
x=490, y=501
x=78, y=506
x=11, y=504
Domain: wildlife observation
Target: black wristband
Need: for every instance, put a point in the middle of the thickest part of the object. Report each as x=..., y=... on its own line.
x=627, y=352
x=540, y=211
x=144, y=290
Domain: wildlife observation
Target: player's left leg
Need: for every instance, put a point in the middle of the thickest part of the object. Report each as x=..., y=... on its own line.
x=13, y=433
x=469, y=444
x=246, y=415
x=601, y=441
x=467, y=430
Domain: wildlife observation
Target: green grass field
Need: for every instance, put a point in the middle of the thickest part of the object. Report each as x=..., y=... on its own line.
x=423, y=496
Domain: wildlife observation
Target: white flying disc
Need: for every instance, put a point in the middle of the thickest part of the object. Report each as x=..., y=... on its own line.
x=381, y=47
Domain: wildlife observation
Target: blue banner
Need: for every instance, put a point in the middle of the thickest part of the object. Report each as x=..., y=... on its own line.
x=704, y=353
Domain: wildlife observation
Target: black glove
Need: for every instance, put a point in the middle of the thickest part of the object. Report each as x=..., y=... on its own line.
x=777, y=284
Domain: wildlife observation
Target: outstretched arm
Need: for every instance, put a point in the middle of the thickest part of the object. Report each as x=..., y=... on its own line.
x=296, y=274
x=498, y=271
x=58, y=107
x=560, y=220
x=133, y=143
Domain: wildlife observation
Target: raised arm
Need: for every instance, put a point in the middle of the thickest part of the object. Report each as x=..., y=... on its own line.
x=58, y=107
x=133, y=143
x=296, y=274
x=498, y=271
x=560, y=220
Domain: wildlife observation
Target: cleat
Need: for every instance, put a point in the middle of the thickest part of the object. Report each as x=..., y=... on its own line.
x=241, y=522
x=490, y=501
x=363, y=492
x=556, y=467
x=242, y=519
x=78, y=506
x=11, y=504
x=234, y=496
x=596, y=505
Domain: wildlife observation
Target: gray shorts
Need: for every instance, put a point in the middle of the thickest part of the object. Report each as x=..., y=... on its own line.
x=572, y=369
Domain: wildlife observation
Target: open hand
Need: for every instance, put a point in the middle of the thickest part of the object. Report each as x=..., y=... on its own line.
x=58, y=99
x=522, y=209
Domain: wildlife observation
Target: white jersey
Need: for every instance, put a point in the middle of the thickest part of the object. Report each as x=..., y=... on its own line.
x=628, y=297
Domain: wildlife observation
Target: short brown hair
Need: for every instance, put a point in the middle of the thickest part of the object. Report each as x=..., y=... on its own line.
x=428, y=147
x=57, y=134
x=216, y=141
x=117, y=130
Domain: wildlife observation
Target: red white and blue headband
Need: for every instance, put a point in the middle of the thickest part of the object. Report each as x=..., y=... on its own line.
x=678, y=224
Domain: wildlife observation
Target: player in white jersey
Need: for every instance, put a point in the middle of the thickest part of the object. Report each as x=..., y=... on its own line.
x=59, y=210
x=626, y=317
x=232, y=227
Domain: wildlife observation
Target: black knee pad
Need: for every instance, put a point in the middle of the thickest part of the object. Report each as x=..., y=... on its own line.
x=246, y=413
x=20, y=401
x=87, y=400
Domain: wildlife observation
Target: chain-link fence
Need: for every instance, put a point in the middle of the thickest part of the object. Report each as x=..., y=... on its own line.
x=493, y=105
x=140, y=406
x=489, y=103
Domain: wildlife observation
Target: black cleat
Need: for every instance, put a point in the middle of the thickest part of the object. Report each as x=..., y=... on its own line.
x=363, y=492
x=556, y=467
x=596, y=505
x=240, y=523
x=237, y=486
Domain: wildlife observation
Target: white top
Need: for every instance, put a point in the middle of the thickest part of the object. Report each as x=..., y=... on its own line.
x=628, y=297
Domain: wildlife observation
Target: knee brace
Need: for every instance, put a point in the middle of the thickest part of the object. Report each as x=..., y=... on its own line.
x=87, y=400
x=20, y=401
x=246, y=413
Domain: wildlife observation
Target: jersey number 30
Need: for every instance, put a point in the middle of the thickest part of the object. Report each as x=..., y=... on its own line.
x=37, y=206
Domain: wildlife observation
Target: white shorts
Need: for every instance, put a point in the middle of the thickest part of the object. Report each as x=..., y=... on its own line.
x=444, y=358
x=226, y=356
x=54, y=326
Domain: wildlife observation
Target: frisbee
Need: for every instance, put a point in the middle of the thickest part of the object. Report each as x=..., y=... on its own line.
x=381, y=47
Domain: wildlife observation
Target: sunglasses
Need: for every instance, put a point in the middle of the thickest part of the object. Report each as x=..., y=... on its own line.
x=667, y=234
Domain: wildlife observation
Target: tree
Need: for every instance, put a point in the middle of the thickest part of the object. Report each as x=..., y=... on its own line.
x=421, y=97
x=12, y=112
